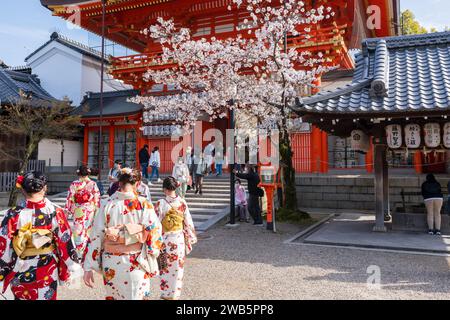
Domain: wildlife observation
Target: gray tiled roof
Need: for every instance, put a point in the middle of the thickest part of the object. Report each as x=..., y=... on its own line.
x=72, y=44
x=394, y=74
x=12, y=81
x=114, y=103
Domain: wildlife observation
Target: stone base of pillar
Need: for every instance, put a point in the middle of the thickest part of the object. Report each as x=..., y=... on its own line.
x=379, y=228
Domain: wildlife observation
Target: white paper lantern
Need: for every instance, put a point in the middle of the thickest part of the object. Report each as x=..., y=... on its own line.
x=412, y=136
x=360, y=141
x=394, y=136
x=432, y=135
x=446, y=136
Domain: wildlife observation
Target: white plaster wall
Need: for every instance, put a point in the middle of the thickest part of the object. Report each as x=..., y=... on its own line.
x=59, y=69
x=50, y=151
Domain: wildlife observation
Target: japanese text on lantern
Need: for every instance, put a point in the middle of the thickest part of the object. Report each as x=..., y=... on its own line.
x=446, y=136
x=412, y=136
x=432, y=135
x=394, y=136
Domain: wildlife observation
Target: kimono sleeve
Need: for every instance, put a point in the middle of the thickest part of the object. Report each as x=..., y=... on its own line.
x=70, y=201
x=154, y=228
x=68, y=259
x=8, y=256
x=96, y=196
x=95, y=247
x=190, y=238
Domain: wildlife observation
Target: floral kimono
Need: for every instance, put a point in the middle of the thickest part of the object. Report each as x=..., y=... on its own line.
x=83, y=201
x=178, y=236
x=127, y=266
x=36, y=250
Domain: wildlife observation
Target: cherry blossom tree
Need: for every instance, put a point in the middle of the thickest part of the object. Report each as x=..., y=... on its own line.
x=256, y=73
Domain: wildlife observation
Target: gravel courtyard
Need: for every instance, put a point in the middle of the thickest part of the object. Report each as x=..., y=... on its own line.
x=249, y=262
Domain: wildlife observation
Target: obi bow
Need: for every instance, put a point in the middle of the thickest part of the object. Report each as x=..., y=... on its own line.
x=29, y=241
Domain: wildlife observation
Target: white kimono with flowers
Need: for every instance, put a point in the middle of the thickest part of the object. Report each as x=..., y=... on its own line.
x=176, y=245
x=125, y=276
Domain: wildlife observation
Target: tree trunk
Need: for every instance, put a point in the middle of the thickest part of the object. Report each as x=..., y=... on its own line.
x=14, y=193
x=287, y=172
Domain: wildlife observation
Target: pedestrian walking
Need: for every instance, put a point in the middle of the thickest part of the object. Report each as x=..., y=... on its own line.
x=83, y=202
x=208, y=154
x=125, y=243
x=433, y=198
x=241, y=201
x=114, y=172
x=178, y=238
x=219, y=159
x=155, y=162
x=144, y=159
x=201, y=169
x=181, y=173
x=94, y=177
x=36, y=247
x=254, y=193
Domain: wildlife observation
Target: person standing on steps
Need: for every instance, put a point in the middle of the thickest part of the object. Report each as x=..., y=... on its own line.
x=219, y=159
x=433, y=198
x=114, y=172
x=155, y=162
x=181, y=173
x=254, y=193
x=144, y=159
x=200, y=171
x=208, y=155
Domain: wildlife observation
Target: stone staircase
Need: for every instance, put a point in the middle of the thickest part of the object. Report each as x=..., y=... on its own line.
x=206, y=209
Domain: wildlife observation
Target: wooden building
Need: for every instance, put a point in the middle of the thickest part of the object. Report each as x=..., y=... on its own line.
x=211, y=18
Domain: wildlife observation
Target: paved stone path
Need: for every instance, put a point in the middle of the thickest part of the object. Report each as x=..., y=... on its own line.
x=249, y=262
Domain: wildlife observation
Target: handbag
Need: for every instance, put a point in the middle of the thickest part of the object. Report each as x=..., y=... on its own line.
x=260, y=192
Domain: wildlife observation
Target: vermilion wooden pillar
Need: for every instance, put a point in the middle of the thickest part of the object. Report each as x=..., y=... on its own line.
x=111, y=145
x=86, y=144
x=324, y=153
x=418, y=161
x=369, y=158
x=316, y=150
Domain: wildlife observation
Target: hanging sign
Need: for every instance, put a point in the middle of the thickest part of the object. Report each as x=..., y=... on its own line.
x=394, y=136
x=412, y=136
x=432, y=135
x=446, y=136
x=359, y=141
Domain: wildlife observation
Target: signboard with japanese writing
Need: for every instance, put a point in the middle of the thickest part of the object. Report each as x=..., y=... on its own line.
x=412, y=136
x=432, y=135
x=446, y=135
x=360, y=141
x=394, y=136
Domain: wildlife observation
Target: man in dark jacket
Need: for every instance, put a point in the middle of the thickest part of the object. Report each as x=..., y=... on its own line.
x=253, y=195
x=433, y=198
x=144, y=158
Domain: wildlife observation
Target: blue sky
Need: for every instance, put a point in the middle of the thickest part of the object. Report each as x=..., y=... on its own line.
x=25, y=25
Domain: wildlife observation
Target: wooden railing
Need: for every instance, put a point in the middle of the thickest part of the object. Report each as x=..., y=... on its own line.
x=8, y=179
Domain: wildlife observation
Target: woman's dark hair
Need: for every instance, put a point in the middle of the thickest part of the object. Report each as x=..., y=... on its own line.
x=129, y=177
x=83, y=171
x=238, y=181
x=431, y=177
x=170, y=183
x=34, y=182
x=94, y=172
x=155, y=149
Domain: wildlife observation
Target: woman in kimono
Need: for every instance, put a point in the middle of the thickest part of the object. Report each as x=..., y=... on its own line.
x=125, y=242
x=83, y=202
x=36, y=247
x=178, y=236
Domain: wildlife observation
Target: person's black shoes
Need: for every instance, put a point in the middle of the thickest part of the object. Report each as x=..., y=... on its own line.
x=258, y=224
x=196, y=191
x=430, y=232
x=437, y=232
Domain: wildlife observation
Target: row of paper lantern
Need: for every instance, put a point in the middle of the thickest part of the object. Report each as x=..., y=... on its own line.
x=411, y=135
x=162, y=117
x=163, y=130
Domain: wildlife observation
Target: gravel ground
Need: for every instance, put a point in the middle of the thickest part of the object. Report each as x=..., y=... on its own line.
x=250, y=262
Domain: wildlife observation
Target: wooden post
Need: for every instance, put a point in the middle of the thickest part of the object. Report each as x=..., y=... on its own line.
x=381, y=175
x=324, y=153
x=111, y=145
x=418, y=162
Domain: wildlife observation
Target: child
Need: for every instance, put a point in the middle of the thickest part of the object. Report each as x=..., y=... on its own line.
x=241, y=201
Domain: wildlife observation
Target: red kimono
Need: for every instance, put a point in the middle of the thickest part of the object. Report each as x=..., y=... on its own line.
x=36, y=277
